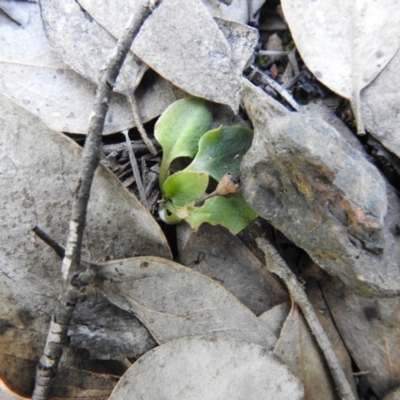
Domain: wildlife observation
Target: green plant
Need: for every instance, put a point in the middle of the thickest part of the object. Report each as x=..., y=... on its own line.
x=183, y=130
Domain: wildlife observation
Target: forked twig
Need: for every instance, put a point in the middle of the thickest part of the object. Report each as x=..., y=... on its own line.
x=277, y=265
x=72, y=288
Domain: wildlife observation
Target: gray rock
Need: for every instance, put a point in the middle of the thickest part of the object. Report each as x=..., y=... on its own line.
x=303, y=177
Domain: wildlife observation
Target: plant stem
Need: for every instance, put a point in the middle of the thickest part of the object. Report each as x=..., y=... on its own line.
x=277, y=265
x=72, y=288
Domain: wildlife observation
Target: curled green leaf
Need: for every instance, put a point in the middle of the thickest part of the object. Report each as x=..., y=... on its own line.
x=231, y=212
x=183, y=187
x=179, y=129
x=221, y=151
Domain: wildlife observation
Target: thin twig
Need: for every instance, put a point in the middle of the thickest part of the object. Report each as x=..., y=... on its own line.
x=59, y=250
x=72, y=288
x=138, y=122
x=135, y=169
x=49, y=241
x=137, y=145
x=276, y=86
x=277, y=265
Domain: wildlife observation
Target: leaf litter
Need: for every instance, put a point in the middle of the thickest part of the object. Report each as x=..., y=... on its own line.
x=174, y=301
x=7, y=169
x=205, y=367
x=348, y=53
x=36, y=78
x=189, y=59
x=38, y=172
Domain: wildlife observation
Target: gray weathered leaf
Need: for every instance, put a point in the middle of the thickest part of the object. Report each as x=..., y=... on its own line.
x=239, y=10
x=208, y=367
x=107, y=332
x=107, y=12
x=38, y=172
x=84, y=45
x=297, y=348
x=371, y=330
x=215, y=252
x=317, y=299
x=182, y=42
x=35, y=77
x=241, y=38
x=275, y=317
x=15, y=11
x=174, y=301
x=345, y=47
x=381, y=104
x=322, y=194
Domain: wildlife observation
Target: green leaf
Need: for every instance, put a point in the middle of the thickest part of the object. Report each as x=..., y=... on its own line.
x=183, y=187
x=221, y=151
x=231, y=212
x=169, y=214
x=179, y=129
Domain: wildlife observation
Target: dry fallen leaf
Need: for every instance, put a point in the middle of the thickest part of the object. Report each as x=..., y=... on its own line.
x=38, y=172
x=241, y=38
x=174, y=301
x=370, y=329
x=380, y=106
x=182, y=42
x=84, y=45
x=239, y=10
x=208, y=367
x=215, y=252
x=107, y=12
x=36, y=78
x=106, y=331
x=297, y=348
x=17, y=12
x=275, y=317
x=345, y=46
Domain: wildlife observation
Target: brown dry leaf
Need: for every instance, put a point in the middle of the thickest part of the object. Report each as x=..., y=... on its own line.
x=208, y=367
x=182, y=42
x=345, y=46
x=38, y=172
x=371, y=330
x=84, y=45
x=381, y=104
x=174, y=301
x=35, y=77
x=215, y=252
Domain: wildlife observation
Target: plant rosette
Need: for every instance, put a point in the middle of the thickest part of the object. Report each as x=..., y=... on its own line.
x=183, y=130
